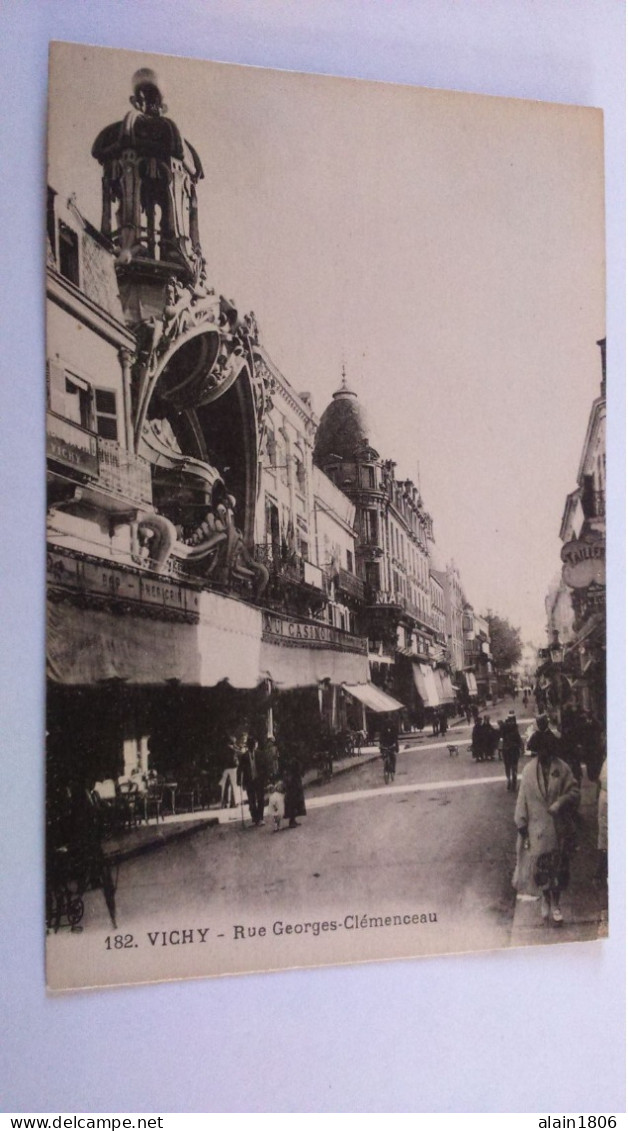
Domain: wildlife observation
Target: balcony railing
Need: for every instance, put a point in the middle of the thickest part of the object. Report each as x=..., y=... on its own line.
x=382, y=597
x=103, y=461
x=350, y=584
x=291, y=568
x=124, y=473
x=71, y=445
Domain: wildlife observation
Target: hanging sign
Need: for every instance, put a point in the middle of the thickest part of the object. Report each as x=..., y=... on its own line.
x=584, y=562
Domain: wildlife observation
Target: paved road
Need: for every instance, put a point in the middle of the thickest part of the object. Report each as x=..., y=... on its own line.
x=440, y=838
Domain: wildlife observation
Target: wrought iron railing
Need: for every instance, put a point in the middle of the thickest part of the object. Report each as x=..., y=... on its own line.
x=71, y=445
x=350, y=584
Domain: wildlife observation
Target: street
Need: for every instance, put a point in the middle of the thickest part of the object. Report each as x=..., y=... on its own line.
x=440, y=838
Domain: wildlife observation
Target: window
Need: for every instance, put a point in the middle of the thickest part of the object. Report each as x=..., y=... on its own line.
x=370, y=527
x=371, y=570
x=368, y=476
x=51, y=227
x=349, y=562
x=68, y=253
x=271, y=449
x=273, y=537
x=106, y=414
x=77, y=401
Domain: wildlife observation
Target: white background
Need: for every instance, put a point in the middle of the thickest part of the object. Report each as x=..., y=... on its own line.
x=532, y=1031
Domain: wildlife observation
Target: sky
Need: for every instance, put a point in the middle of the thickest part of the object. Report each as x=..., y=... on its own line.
x=447, y=248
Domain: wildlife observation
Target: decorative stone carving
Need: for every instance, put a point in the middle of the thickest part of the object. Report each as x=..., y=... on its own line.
x=218, y=542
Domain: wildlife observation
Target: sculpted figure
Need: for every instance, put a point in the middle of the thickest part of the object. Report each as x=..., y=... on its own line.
x=219, y=537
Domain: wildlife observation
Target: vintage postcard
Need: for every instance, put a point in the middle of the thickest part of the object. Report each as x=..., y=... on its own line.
x=325, y=379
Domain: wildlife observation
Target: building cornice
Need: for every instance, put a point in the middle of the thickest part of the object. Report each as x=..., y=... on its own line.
x=72, y=299
x=286, y=390
x=596, y=416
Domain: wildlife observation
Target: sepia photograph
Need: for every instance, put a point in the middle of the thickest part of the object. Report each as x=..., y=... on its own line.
x=326, y=518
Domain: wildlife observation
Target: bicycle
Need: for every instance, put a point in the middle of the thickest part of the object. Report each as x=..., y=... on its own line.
x=389, y=756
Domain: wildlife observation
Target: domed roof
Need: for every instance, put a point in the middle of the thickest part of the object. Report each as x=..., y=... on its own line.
x=343, y=427
x=146, y=129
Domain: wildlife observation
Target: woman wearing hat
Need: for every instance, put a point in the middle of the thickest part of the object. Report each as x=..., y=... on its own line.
x=548, y=797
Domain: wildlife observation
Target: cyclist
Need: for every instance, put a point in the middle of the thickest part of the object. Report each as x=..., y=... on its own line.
x=389, y=747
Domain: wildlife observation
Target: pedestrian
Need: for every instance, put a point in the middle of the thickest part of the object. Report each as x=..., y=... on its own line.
x=592, y=744
x=512, y=745
x=294, y=799
x=251, y=774
x=444, y=726
x=477, y=741
x=548, y=797
x=490, y=738
x=275, y=805
x=602, y=825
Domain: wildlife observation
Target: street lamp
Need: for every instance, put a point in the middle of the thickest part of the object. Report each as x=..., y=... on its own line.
x=556, y=650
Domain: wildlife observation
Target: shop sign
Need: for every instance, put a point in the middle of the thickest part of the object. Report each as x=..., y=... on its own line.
x=61, y=569
x=114, y=582
x=287, y=630
x=78, y=457
x=584, y=562
x=166, y=593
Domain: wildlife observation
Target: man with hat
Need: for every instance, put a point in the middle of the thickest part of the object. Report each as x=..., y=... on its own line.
x=543, y=740
x=512, y=745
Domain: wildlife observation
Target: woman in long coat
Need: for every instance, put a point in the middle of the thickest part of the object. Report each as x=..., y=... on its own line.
x=548, y=797
x=294, y=799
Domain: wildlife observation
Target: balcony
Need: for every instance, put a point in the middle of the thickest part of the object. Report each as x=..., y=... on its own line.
x=124, y=473
x=593, y=502
x=381, y=598
x=72, y=446
x=349, y=584
x=289, y=569
x=103, y=463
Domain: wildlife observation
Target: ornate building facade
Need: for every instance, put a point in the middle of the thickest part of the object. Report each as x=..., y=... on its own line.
x=394, y=532
x=194, y=553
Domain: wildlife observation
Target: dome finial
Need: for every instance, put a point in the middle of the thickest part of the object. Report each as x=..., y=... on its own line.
x=344, y=387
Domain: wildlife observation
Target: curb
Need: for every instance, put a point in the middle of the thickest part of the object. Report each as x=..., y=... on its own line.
x=160, y=838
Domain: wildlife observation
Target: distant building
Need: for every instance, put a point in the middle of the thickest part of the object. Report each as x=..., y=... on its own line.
x=394, y=532
x=478, y=660
x=583, y=534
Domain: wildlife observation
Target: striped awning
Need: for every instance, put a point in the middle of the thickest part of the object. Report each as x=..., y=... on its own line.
x=425, y=684
x=373, y=697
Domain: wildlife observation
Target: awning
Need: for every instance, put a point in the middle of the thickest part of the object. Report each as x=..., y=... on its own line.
x=372, y=697
x=444, y=686
x=306, y=667
x=472, y=686
x=426, y=685
x=85, y=646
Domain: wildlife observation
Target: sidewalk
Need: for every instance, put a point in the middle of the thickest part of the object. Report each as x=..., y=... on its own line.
x=145, y=838
x=584, y=904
